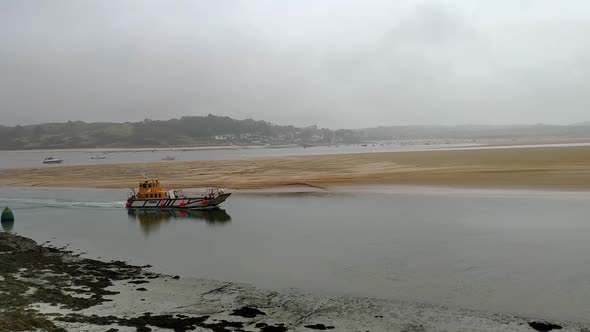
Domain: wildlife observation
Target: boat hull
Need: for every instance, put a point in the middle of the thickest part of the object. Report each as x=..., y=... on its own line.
x=52, y=161
x=177, y=203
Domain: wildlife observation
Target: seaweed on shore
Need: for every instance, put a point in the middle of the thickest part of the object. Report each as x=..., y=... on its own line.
x=34, y=274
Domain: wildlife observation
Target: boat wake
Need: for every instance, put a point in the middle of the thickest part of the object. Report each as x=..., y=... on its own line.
x=32, y=203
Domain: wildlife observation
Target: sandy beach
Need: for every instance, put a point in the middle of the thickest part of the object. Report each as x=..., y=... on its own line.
x=562, y=168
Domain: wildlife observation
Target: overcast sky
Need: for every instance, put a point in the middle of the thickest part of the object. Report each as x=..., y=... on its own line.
x=335, y=63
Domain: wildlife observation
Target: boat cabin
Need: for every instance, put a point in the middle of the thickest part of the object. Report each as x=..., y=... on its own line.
x=151, y=189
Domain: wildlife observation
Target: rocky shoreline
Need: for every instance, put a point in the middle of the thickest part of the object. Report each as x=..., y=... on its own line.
x=50, y=289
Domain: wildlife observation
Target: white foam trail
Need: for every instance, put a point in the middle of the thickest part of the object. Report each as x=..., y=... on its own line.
x=57, y=203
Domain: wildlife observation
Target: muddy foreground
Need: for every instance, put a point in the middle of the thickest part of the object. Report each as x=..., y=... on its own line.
x=49, y=289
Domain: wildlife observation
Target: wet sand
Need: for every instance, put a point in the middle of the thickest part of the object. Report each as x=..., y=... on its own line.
x=562, y=168
x=50, y=289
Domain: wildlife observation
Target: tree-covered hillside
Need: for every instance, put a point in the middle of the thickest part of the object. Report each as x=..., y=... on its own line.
x=186, y=131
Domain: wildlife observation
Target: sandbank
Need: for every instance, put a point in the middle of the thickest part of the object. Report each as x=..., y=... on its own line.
x=555, y=168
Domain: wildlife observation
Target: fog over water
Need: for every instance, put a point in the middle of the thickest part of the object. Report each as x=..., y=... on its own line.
x=331, y=63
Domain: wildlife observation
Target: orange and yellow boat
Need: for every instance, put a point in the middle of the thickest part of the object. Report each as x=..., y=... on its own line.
x=151, y=195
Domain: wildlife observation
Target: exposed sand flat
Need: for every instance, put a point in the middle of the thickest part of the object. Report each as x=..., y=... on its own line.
x=564, y=168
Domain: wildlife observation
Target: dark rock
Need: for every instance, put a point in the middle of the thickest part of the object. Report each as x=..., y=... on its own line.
x=378, y=316
x=225, y=323
x=247, y=312
x=176, y=277
x=271, y=328
x=141, y=289
x=180, y=323
x=413, y=328
x=113, y=330
x=544, y=326
x=14, y=243
x=319, y=327
x=138, y=282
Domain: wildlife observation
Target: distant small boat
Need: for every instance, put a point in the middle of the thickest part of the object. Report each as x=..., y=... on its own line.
x=51, y=160
x=99, y=156
x=168, y=158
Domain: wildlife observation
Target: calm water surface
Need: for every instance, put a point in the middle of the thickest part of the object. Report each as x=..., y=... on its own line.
x=28, y=159
x=519, y=253
x=25, y=159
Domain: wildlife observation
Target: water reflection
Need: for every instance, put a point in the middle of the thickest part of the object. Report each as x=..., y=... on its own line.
x=150, y=220
x=7, y=226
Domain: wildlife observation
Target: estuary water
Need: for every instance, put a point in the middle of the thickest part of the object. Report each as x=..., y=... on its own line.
x=34, y=158
x=515, y=252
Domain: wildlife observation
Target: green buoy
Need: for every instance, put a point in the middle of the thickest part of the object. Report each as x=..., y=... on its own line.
x=7, y=215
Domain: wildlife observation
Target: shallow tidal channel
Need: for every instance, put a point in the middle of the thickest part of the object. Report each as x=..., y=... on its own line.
x=510, y=252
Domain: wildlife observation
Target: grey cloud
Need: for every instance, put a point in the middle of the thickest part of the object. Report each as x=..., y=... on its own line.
x=337, y=64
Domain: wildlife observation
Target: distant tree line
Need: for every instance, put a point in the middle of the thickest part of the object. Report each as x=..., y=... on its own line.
x=222, y=130
x=186, y=131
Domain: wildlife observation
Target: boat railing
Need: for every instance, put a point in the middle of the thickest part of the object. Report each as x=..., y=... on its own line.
x=212, y=192
x=131, y=194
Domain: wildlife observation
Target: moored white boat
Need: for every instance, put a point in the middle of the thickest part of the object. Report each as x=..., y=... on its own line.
x=99, y=156
x=52, y=160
